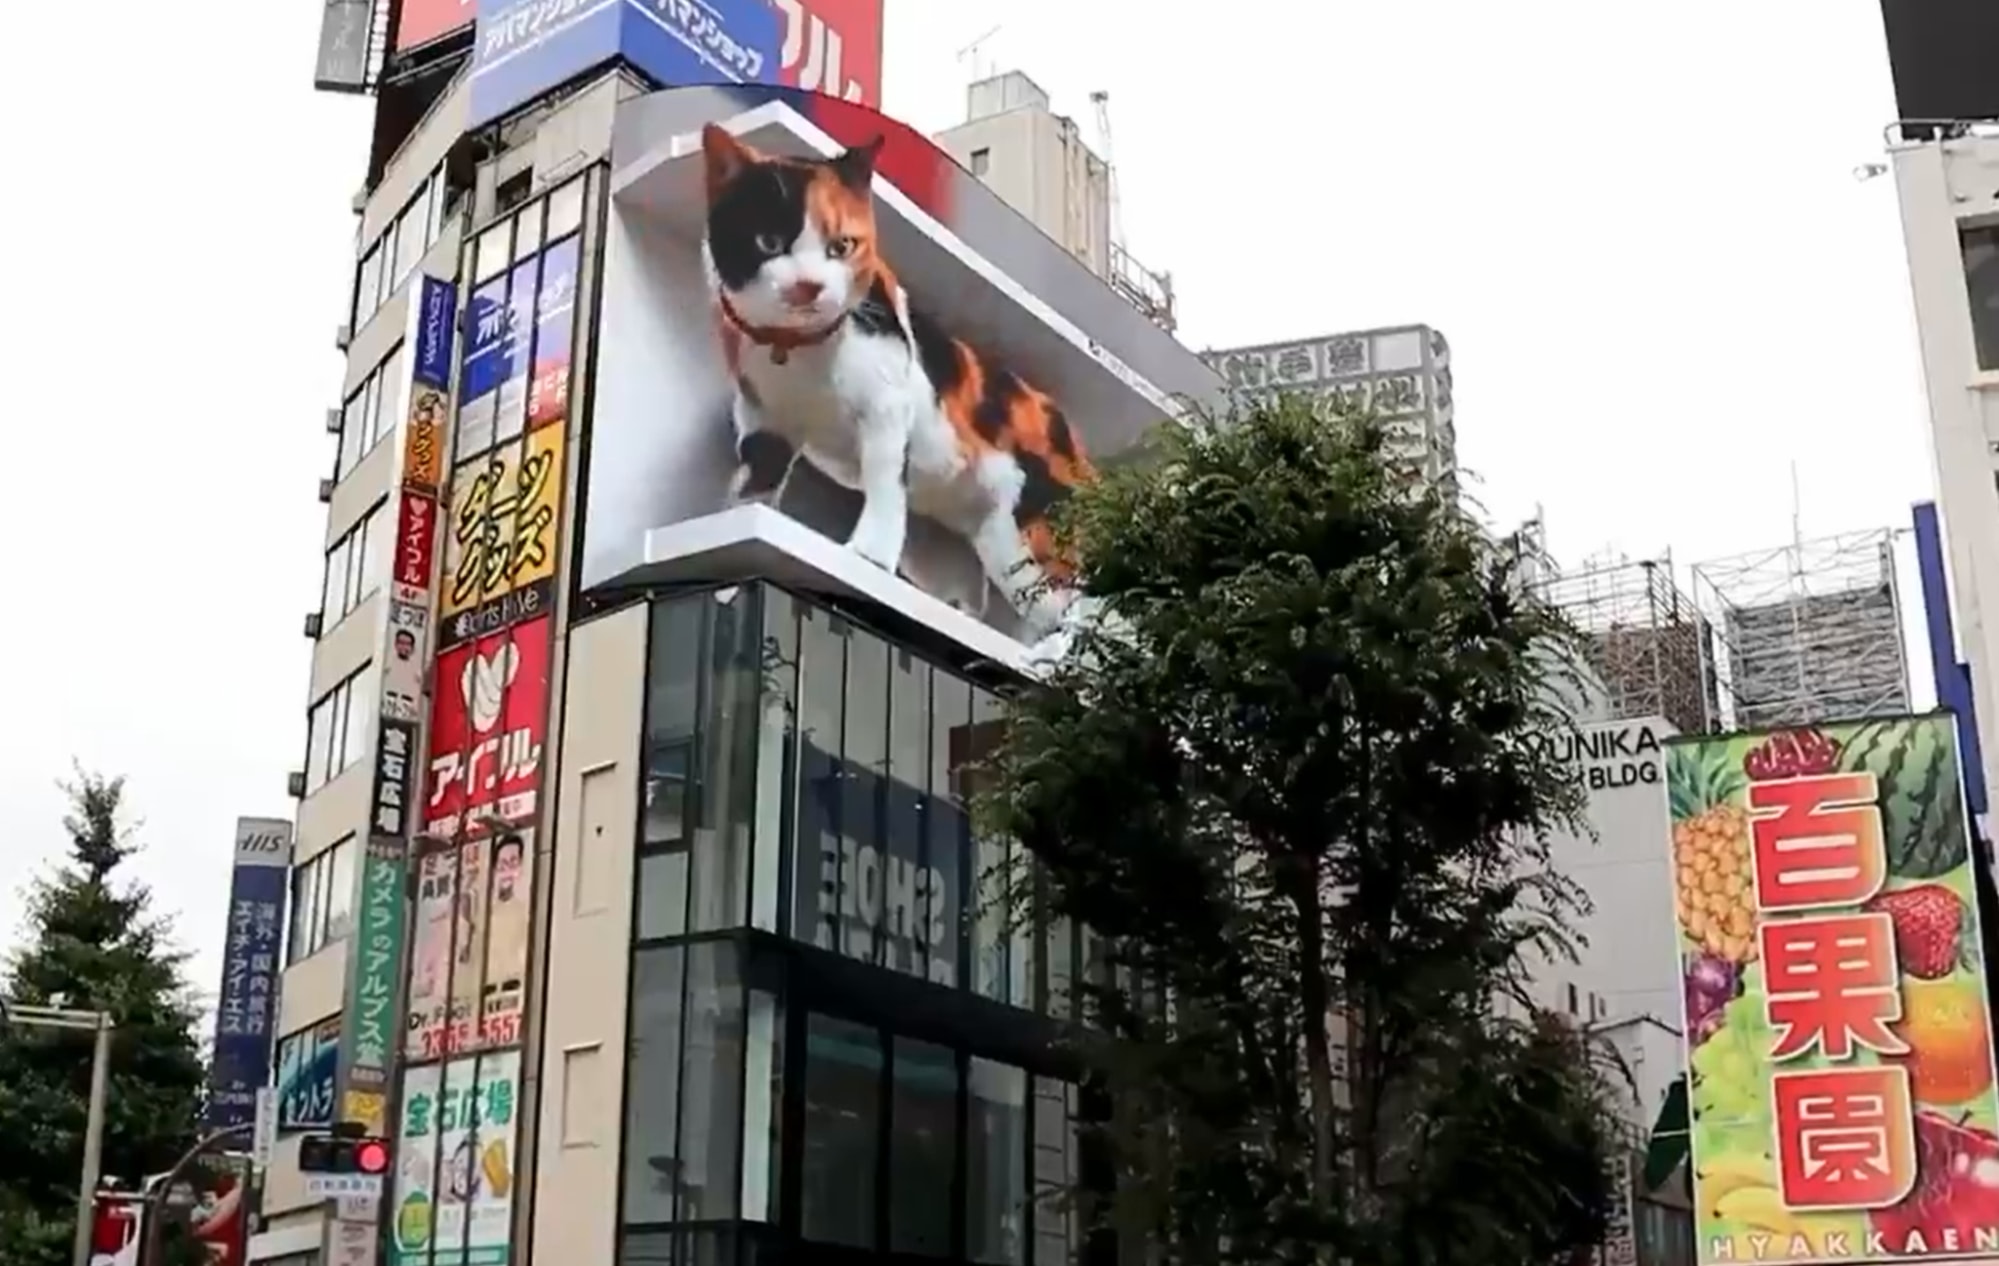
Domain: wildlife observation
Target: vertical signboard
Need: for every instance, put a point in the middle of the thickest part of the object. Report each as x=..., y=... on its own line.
x=343, y=62
x=246, y=1007
x=502, y=523
x=478, y=790
x=453, y=1191
x=371, y=1022
x=369, y=1025
x=1840, y=1050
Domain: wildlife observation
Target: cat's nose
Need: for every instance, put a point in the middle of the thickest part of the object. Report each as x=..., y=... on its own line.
x=799, y=294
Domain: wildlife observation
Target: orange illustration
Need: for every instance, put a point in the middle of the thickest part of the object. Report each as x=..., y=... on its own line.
x=1943, y=1021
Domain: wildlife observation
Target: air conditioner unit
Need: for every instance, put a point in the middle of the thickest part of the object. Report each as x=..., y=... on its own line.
x=343, y=337
x=359, y=203
x=333, y=417
x=295, y=784
x=326, y=487
x=314, y=622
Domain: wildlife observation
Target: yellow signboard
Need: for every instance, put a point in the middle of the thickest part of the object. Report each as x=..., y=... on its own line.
x=500, y=543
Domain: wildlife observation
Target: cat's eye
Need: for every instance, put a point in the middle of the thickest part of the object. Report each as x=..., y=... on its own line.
x=840, y=248
x=770, y=243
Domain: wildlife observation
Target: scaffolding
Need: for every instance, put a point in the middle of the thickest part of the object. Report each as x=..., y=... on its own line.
x=1644, y=636
x=1809, y=632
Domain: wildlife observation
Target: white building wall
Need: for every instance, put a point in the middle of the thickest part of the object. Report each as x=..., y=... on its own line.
x=1038, y=162
x=1626, y=980
x=1945, y=187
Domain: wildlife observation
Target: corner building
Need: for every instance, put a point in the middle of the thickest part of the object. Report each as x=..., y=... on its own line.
x=638, y=901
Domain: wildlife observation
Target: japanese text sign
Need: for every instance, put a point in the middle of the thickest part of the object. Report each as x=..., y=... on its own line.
x=500, y=537
x=1841, y=1073
x=307, y=1073
x=247, y=1003
x=371, y=1024
x=489, y=714
x=395, y=778
x=432, y=320
x=453, y=1201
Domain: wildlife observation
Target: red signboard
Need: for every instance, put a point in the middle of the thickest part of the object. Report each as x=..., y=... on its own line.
x=834, y=47
x=424, y=20
x=489, y=716
x=416, y=542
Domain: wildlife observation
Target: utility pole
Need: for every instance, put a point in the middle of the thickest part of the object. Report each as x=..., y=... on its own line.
x=98, y=1023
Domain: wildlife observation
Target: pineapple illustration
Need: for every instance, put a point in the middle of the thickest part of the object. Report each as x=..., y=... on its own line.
x=1714, y=891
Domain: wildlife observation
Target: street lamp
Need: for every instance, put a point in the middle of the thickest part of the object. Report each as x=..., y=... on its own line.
x=99, y=1023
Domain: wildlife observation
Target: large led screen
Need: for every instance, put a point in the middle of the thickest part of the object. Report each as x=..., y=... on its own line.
x=782, y=324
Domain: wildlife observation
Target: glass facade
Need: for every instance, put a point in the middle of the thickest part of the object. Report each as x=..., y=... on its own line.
x=840, y=1032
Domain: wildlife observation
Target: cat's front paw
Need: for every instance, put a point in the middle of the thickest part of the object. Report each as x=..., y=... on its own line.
x=878, y=548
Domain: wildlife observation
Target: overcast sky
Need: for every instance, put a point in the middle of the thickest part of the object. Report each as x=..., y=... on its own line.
x=1638, y=226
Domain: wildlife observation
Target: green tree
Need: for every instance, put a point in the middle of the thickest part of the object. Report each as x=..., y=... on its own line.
x=91, y=942
x=1298, y=780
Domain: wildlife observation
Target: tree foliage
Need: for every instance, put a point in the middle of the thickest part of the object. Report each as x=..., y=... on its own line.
x=1297, y=779
x=91, y=943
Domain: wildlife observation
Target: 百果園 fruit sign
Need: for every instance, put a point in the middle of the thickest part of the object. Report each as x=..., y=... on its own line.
x=1828, y=940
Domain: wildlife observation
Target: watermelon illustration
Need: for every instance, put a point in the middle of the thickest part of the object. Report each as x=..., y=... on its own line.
x=1922, y=801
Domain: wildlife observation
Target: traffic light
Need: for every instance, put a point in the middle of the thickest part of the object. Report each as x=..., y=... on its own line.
x=334, y=1154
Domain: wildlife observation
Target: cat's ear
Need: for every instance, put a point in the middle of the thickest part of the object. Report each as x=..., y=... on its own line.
x=856, y=165
x=724, y=157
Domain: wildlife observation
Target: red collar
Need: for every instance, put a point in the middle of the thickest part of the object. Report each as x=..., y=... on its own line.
x=781, y=342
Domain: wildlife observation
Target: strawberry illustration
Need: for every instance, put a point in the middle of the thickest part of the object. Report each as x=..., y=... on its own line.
x=1792, y=754
x=1927, y=919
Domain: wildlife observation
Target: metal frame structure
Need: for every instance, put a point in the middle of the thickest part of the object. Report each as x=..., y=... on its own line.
x=1807, y=632
x=1645, y=637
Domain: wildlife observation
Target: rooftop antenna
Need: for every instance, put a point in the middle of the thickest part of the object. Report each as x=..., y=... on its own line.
x=972, y=55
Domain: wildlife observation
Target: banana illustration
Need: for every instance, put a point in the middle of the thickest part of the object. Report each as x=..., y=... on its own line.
x=1716, y=1187
x=1757, y=1168
x=1760, y=1207
x=499, y=1177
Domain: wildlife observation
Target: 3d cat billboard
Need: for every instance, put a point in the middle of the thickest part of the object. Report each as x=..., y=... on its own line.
x=782, y=325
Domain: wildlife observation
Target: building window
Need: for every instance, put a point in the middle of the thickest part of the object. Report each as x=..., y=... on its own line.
x=1057, y=1170
x=711, y=1079
x=1980, y=247
x=982, y=162
x=372, y=412
x=684, y=1102
x=412, y=234
x=337, y=728
x=843, y=1071
x=703, y=721
x=923, y=1147
x=394, y=256
x=322, y=900
x=355, y=566
x=806, y=776
x=367, y=287
x=652, y=1097
x=996, y=1164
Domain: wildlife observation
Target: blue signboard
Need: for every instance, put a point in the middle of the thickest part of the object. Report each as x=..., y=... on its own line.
x=247, y=1007
x=433, y=333
x=554, y=303
x=308, y=1061
x=523, y=48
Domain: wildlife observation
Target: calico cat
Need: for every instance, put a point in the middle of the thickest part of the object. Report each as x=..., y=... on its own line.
x=831, y=361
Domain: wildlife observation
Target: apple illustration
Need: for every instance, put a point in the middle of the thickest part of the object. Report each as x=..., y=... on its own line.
x=1957, y=1186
